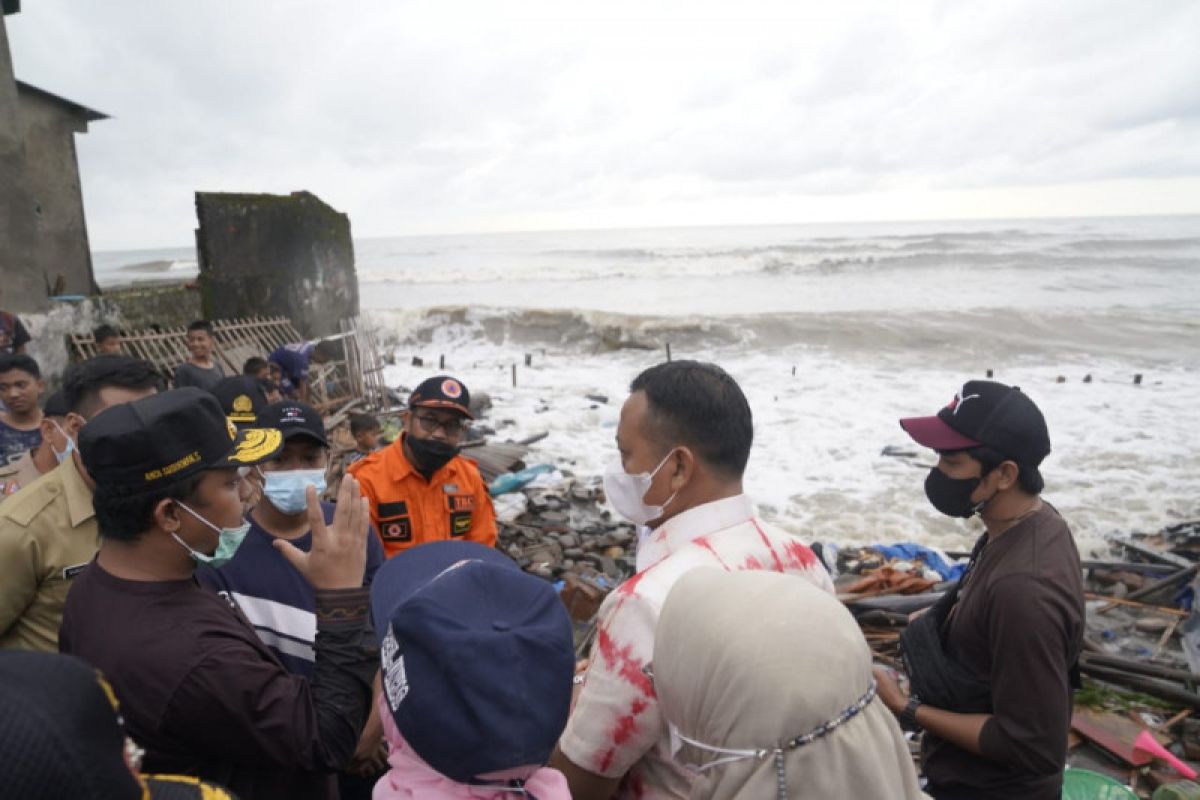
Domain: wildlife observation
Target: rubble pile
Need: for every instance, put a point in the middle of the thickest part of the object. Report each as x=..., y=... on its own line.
x=558, y=529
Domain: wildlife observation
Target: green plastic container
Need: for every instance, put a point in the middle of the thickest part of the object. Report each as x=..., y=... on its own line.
x=1083, y=784
x=1184, y=790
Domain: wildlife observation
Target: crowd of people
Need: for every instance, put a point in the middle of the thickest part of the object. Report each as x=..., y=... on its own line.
x=182, y=614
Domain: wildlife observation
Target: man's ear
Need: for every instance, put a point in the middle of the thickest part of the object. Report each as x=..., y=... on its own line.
x=682, y=467
x=166, y=516
x=1006, y=475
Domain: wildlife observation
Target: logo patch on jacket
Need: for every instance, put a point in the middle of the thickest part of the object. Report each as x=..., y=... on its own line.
x=395, y=524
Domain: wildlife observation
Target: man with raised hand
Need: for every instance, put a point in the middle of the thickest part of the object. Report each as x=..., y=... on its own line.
x=199, y=690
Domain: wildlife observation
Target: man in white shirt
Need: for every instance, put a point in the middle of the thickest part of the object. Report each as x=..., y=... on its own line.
x=684, y=439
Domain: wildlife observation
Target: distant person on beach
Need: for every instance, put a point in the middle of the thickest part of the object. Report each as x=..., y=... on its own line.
x=683, y=441
x=55, y=448
x=994, y=662
x=766, y=682
x=21, y=388
x=367, y=433
x=13, y=336
x=294, y=360
x=272, y=594
x=48, y=530
x=476, y=660
x=201, y=369
x=420, y=488
x=199, y=690
x=257, y=367
x=108, y=340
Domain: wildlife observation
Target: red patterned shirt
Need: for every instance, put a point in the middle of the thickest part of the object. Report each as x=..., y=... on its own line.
x=616, y=728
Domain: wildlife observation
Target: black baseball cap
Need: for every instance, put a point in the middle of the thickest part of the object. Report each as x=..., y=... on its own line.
x=442, y=391
x=63, y=739
x=242, y=397
x=166, y=437
x=986, y=413
x=293, y=418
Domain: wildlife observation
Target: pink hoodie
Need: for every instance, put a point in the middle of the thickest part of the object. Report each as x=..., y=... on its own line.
x=411, y=777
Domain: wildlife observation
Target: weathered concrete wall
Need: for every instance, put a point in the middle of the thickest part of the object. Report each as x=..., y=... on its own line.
x=168, y=306
x=22, y=287
x=61, y=251
x=266, y=255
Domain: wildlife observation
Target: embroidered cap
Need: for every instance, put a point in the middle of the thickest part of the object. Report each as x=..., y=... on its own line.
x=166, y=437
x=442, y=391
x=476, y=658
x=242, y=397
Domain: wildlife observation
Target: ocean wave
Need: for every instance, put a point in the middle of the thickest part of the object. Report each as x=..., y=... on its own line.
x=1149, y=335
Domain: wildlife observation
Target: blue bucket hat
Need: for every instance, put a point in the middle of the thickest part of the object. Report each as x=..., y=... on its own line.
x=477, y=658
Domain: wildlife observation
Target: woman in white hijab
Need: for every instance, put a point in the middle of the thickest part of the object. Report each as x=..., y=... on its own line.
x=766, y=683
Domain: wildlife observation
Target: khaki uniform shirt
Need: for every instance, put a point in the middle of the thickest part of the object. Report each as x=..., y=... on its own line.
x=48, y=534
x=21, y=472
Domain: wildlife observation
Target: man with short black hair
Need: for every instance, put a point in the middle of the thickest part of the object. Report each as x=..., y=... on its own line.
x=107, y=339
x=201, y=369
x=257, y=367
x=199, y=690
x=55, y=448
x=421, y=488
x=48, y=530
x=683, y=441
x=1007, y=639
x=21, y=388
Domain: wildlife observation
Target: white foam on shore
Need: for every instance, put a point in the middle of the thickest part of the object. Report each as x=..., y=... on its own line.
x=1125, y=457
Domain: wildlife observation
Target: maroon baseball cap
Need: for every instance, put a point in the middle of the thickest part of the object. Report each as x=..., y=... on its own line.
x=986, y=413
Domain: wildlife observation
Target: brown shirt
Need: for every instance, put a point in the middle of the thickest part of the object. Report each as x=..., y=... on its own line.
x=205, y=697
x=1019, y=622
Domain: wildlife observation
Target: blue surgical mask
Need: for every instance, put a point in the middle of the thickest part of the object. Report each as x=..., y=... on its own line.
x=229, y=540
x=66, y=451
x=285, y=490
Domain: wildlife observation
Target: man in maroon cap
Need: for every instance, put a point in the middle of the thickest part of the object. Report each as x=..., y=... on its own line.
x=993, y=663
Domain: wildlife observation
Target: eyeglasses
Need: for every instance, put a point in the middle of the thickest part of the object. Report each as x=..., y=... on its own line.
x=429, y=424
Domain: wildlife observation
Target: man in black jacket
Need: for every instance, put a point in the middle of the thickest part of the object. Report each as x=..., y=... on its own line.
x=198, y=689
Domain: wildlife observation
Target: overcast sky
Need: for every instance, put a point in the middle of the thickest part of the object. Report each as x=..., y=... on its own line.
x=438, y=117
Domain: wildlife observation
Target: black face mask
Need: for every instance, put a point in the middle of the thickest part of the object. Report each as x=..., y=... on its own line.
x=952, y=496
x=430, y=454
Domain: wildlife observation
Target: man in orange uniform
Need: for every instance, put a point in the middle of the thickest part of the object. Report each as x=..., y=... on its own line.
x=419, y=487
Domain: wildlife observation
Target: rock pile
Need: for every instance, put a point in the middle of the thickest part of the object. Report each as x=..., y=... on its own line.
x=564, y=534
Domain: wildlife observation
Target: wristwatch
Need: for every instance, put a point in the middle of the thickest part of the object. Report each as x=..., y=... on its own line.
x=908, y=717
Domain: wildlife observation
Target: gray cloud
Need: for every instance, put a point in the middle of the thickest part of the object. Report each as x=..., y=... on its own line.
x=419, y=116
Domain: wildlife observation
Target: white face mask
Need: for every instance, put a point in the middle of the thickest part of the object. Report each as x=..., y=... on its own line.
x=627, y=493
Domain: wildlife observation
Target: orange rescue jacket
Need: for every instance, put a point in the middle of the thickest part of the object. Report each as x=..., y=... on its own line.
x=408, y=510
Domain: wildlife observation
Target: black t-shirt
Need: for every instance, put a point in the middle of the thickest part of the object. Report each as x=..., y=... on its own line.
x=1019, y=623
x=205, y=697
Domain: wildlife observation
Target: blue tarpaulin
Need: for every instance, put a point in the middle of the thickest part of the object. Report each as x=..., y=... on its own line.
x=934, y=559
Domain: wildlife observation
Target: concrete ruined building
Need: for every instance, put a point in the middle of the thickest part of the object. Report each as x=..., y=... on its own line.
x=276, y=255
x=43, y=236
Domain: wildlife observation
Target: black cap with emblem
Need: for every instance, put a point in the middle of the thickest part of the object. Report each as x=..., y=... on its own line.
x=293, y=418
x=442, y=391
x=242, y=397
x=166, y=437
